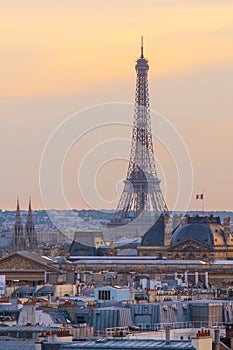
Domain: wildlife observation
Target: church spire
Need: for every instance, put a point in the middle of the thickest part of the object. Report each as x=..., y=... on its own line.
x=18, y=215
x=18, y=234
x=30, y=233
x=29, y=218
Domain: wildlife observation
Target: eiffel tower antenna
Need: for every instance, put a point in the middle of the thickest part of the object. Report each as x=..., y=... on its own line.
x=142, y=193
x=142, y=47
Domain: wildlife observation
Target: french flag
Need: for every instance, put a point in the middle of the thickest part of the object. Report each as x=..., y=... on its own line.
x=200, y=196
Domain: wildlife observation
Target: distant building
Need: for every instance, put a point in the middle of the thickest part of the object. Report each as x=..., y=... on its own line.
x=27, y=267
x=108, y=317
x=112, y=293
x=5, y=237
x=24, y=239
x=18, y=241
x=86, y=243
x=30, y=233
x=196, y=237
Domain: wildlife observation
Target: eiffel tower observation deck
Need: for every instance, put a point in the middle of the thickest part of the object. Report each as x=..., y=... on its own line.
x=141, y=197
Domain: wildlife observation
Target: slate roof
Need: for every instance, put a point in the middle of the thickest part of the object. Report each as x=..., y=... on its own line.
x=129, y=344
x=155, y=235
x=79, y=249
x=200, y=232
x=45, y=290
x=24, y=291
x=58, y=316
x=19, y=344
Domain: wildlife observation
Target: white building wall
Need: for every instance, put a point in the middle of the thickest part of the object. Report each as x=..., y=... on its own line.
x=116, y=294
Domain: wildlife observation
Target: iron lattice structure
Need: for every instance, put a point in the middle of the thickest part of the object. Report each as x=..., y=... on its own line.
x=142, y=193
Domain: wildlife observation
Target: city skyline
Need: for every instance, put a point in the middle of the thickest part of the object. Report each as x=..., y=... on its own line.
x=83, y=54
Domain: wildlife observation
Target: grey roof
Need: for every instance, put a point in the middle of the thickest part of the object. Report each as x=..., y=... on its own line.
x=25, y=290
x=129, y=260
x=109, y=308
x=199, y=232
x=197, y=228
x=45, y=290
x=79, y=249
x=129, y=344
x=155, y=235
x=58, y=316
x=88, y=291
x=24, y=329
x=19, y=344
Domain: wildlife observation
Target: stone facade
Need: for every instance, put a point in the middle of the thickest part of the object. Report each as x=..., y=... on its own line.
x=25, y=266
x=201, y=237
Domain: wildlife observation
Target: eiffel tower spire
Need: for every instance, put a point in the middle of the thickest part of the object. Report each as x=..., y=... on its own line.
x=141, y=193
x=142, y=55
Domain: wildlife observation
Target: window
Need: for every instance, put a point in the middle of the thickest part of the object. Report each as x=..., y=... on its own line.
x=104, y=295
x=80, y=319
x=205, y=258
x=191, y=257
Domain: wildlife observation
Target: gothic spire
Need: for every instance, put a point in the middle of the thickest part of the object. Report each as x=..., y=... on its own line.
x=29, y=218
x=18, y=234
x=18, y=216
x=30, y=233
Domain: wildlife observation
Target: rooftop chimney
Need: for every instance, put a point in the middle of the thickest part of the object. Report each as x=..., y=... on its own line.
x=203, y=340
x=167, y=335
x=217, y=339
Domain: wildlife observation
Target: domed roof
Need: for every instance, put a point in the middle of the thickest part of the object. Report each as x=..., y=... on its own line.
x=218, y=230
x=197, y=231
x=155, y=235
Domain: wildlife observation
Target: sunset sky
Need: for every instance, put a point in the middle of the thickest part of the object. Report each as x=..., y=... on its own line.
x=57, y=57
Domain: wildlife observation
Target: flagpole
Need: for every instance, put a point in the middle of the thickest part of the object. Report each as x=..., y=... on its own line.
x=202, y=205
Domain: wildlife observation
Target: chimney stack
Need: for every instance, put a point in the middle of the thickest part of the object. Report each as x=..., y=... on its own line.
x=217, y=339
x=203, y=340
x=167, y=334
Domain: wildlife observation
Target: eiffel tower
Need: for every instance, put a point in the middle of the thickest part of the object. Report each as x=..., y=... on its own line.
x=142, y=196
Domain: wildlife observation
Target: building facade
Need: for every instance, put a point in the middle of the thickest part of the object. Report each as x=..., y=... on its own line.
x=196, y=237
x=24, y=238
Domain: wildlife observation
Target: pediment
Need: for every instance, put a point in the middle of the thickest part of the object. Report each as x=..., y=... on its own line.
x=190, y=245
x=18, y=262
